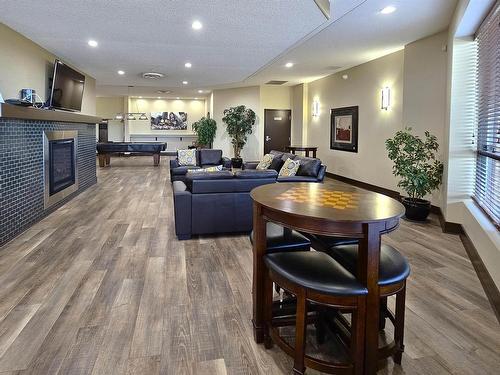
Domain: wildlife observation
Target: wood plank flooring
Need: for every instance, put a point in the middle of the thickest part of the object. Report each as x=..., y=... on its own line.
x=102, y=286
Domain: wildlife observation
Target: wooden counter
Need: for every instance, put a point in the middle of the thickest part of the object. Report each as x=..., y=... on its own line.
x=30, y=113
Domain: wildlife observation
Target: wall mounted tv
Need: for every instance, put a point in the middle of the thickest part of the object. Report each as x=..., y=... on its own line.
x=67, y=88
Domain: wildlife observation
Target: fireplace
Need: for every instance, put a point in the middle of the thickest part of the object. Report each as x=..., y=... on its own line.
x=60, y=167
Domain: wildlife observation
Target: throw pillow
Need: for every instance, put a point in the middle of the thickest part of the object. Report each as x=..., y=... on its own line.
x=265, y=162
x=187, y=157
x=290, y=168
x=217, y=168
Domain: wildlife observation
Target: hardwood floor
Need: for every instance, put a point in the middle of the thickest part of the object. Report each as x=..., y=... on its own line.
x=102, y=286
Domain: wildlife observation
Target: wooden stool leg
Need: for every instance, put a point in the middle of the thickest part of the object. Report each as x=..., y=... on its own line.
x=268, y=310
x=383, y=313
x=300, y=334
x=358, y=336
x=156, y=159
x=399, y=326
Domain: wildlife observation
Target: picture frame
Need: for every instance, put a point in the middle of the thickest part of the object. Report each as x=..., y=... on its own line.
x=344, y=129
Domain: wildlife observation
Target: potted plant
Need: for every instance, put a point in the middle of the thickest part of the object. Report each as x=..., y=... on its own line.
x=205, y=129
x=416, y=164
x=239, y=121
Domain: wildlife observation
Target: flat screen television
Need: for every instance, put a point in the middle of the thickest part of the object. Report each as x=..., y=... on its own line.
x=67, y=88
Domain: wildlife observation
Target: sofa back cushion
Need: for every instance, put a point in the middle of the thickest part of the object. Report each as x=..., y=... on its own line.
x=308, y=166
x=277, y=163
x=255, y=173
x=210, y=156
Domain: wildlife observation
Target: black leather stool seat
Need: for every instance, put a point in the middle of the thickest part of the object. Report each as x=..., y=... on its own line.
x=393, y=267
x=315, y=271
x=283, y=239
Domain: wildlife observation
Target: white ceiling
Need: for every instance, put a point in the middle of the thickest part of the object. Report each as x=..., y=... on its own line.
x=243, y=42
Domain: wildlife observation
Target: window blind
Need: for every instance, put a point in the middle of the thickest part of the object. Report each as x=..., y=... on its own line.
x=487, y=188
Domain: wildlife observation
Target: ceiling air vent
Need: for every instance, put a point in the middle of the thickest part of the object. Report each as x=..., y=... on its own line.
x=164, y=92
x=276, y=82
x=152, y=75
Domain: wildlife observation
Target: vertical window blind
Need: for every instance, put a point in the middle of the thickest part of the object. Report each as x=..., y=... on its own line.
x=487, y=188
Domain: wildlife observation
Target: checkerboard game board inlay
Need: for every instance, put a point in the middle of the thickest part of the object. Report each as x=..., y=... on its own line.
x=321, y=197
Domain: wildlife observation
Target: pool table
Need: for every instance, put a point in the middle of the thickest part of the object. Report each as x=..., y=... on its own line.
x=104, y=150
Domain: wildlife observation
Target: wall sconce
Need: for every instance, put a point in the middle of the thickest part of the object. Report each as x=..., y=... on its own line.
x=386, y=98
x=315, y=109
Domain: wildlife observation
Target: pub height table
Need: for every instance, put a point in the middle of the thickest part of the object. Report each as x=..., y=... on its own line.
x=328, y=209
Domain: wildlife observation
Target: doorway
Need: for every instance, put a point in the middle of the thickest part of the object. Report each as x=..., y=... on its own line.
x=277, y=129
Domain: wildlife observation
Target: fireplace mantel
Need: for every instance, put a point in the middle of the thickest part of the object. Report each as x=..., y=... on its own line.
x=29, y=113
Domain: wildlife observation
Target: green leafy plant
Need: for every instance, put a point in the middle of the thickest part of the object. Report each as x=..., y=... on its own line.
x=239, y=121
x=205, y=128
x=415, y=162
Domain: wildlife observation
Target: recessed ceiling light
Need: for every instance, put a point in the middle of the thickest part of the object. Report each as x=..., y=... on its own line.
x=184, y=82
x=200, y=91
x=140, y=97
x=388, y=10
x=159, y=97
x=121, y=72
x=197, y=25
x=92, y=43
x=345, y=76
x=178, y=98
x=195, y=98
x=289, y=64
x=188, y=65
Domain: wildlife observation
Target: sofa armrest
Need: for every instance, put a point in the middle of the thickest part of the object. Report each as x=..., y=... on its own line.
x=321, y=173
x=250, y=164
x=297, y=179
x=226, y=162
x=174, y=163
x=182, y=210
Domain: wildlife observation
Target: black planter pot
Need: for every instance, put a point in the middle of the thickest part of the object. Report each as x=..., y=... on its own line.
x=416, y=209
x=236, y=162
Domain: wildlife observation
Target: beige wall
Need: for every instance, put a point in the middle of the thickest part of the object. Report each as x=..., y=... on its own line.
x=250, y=97
x=299, y=114
x=25, y=64
x=195, y=109
x=108, y=107
x=424, y=91
x=363, y=89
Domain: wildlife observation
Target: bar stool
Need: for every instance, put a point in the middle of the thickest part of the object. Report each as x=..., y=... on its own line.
x=394, y=269
x=284, y=239
x=315, y=277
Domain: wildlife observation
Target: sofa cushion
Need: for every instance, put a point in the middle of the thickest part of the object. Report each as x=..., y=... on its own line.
x=265, y=162
x=290, y=168
x=308, y=166
x=210, y=157
x=181, y=171
x=186, y=157
x=277, y=163
x=254, y=173
x=287, y=156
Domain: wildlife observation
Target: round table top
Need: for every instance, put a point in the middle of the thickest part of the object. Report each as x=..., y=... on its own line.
x=332, y=201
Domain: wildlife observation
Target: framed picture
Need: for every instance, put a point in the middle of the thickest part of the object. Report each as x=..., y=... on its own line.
x=169, y=120
x=344, y=129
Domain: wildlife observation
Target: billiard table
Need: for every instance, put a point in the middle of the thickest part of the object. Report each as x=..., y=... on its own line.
x=104, y=150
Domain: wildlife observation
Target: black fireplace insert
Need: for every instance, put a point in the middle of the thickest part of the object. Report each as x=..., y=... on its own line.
x=62, y=171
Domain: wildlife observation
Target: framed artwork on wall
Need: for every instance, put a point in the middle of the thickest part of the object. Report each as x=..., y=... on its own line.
x=169, y=120
x=344, y=129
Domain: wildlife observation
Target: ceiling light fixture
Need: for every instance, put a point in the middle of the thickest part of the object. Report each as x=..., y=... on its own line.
x=184, y=82
x=178, y=98
x=196, y=25
x=200, y=91
x=159, y=97
x=289, y=64
x=188, y=65
x=121, y=72
x=195, y=98
x=92, y=43
x=388, y=9
x=140, y=97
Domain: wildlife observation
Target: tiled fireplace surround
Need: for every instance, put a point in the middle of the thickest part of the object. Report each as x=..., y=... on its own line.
x=21, y=171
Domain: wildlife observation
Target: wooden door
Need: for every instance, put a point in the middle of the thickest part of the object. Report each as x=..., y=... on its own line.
x=277, y=129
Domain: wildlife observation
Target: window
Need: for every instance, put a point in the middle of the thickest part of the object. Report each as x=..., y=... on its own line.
x=487, y=188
